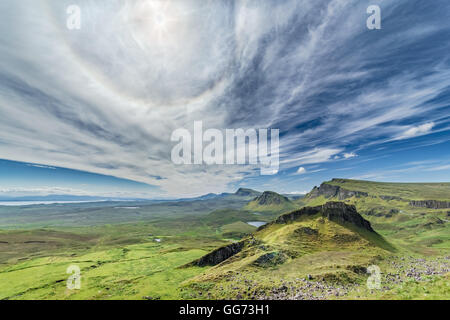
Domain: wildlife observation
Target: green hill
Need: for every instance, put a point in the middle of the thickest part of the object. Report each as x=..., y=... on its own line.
x=413, y=216
x=245, y=192
x=325, y=242
x=385, y=190
x=270, y=201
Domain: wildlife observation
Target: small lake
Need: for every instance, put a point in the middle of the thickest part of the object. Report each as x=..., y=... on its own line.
x=257, y=223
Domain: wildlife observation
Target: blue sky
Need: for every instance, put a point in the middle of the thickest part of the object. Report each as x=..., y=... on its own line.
x=91, y=111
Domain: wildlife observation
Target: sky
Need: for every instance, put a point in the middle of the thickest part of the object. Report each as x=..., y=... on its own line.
x=91, y=111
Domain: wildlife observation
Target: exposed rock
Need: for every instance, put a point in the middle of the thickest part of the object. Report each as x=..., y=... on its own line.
x=306, y=231
x=219, y=255
x=434, y=222
x=357, y=269
x=343, y=213
x=389, y=198
x=344, y=238
x=332, y=191
x=430, y=204
x=270, y=259
x=335, y=211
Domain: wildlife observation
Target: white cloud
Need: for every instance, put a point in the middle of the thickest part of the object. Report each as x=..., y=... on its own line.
x=118, y=87
x=301, y=170
x=415, y=131
x=40, y=166
x=349, y=155
x=296, y=192
x=316, y=155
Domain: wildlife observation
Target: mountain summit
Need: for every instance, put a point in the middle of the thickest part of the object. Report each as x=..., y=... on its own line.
x=270, y=201
x=244, y=192
x=309, y=229
x=331, y=241
x=268, y=198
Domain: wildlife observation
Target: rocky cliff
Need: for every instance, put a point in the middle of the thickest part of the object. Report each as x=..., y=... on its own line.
x=332, y=191
x=430, y=204
x=217, y=256
x=334, y=211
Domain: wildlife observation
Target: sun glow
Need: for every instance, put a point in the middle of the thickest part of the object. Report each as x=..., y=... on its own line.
x=157, y=22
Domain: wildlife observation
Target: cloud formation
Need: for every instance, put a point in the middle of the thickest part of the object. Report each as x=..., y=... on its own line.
x=107, y=97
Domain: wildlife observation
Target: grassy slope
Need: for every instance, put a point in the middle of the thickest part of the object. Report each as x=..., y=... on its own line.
x=410, y=191
x=413, y=230
x=129, y=272
x=122, y=260
x=331, y=254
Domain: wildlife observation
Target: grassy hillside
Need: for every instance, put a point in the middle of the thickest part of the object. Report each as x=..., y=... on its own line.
x=408, y=191
x=271, y=202
x=309, y=258
x=387, y=207
x=312, y=246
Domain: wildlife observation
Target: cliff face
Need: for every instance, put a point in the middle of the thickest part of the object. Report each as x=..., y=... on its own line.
x=334, y=211
x=331, y=191
x=342, y=213
x=217, y=256
x=430, y=204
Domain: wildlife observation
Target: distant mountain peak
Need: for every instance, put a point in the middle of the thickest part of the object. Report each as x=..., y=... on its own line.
x=270, y=198
x=245, y=192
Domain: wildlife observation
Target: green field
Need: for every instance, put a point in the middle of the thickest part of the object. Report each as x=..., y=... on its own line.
x=145, y=251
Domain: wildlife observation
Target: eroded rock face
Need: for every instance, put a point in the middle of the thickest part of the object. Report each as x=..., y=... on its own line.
x=342, y=213
x=302, y=231
x=430, y=204
x=221, y=254
x=270, y=259
x=335, y=211
x=294, y=215
x=331, y=191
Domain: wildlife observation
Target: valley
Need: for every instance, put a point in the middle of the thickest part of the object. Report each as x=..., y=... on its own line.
x=314, y=247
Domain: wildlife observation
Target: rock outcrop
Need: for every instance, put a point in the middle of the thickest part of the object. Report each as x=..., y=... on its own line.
x=430, y=204
x=217, y=256
x=332, y=191
x=334, y=211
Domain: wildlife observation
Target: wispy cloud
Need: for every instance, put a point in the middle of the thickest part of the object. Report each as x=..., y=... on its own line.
x=414, y=131
x=106, y=98
x=349, y=155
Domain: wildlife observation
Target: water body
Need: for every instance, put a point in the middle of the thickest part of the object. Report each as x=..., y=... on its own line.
x=30, y=203
x=257, y=223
